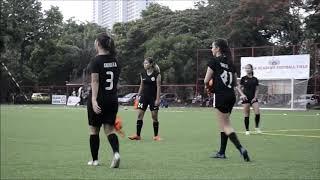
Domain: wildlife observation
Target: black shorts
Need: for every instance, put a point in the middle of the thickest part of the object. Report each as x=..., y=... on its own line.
x=224, y=102
x=145, y=102
x=249, y=101
x=108, y=115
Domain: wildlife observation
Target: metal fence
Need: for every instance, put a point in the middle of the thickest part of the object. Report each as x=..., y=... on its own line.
x=203, y=55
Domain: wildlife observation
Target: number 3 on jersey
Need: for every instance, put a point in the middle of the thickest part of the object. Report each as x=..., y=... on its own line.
x=225, y=76
x=109, y=80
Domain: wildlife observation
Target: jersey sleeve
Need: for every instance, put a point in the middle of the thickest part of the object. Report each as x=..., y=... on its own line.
x=94, y=67
x=257, y=82
x=242, y=81
x=212, y=64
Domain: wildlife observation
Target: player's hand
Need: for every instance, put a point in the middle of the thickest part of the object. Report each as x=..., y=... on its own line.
x=157, y=102
x=253, y=100
x=96, y=107
x=243, y=98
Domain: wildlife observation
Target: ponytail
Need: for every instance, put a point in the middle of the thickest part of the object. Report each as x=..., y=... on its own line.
x=156, y=68
x=107, y=43
x=224, y=49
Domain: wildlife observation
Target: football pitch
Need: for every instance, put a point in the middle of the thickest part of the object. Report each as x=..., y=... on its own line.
x=52, y=142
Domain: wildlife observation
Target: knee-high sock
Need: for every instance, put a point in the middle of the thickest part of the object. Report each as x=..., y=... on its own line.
x=94, y=146
x=246, y=123
x=234, y=139
x=156, y=128
x=257, y=119
x=114, y=142
x=139, y=126
x=224, y=141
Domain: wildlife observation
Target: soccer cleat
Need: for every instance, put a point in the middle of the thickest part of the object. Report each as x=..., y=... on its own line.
x=135, y=137
x=218, y=156
x=115, y=161
x=157, y=138
x=245, y=154
x=247, y=133
x=258, y=131
x=93, y=163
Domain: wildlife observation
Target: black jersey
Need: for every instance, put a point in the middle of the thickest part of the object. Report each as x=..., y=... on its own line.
x=249, y=86
x=109, y=71
x=149, y=84
x=223, y=75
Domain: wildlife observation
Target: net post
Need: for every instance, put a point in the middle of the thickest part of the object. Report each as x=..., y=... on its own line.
x=197, y=77
x=292, y=91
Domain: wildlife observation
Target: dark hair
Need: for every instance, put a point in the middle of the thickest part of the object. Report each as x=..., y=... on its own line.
x=222, y=44
x=107, y=43
x=251, y=68
x=153, y=64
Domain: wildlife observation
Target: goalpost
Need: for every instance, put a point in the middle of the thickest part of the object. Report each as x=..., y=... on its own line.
x=282, y=94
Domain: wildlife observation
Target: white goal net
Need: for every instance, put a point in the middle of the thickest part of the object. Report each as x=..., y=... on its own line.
x=286, y=94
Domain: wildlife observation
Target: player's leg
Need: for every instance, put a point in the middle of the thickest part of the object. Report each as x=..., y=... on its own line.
x=217, y=102
x=139, y=124
x=246, y=112
x=224, y=119
x=256, y=109
x=142, y=107
x=114, y=143
x=94, y=145
x=94, y=129
x=154, y=115
x=223, y=144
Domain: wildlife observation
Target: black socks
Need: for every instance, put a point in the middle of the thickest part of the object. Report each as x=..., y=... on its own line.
x=224, y=141
x=156, y=128
x=257, y=119
x=234, y=139
x=139, y=126
x=94, y=146
x=114, y=142
x=246, y=123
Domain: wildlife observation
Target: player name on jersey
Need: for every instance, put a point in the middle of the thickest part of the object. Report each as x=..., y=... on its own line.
x=224, y=65
x=110, y=65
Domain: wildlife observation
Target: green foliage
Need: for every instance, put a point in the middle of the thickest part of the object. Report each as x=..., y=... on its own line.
x=39, y=48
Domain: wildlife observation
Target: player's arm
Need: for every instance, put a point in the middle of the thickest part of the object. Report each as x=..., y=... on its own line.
x=239, y=88
x=208, y=77
x=141, y=86
x=158, y=90
x=95, y=87
x=256, y=92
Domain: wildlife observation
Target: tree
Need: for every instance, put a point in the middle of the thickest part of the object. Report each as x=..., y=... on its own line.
x=312, y=21
x=21, y=24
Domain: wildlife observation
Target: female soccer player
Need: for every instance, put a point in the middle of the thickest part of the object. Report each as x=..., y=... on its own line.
x=103, y=99
x=222, y=71
x=248, y=90
x=149, y=93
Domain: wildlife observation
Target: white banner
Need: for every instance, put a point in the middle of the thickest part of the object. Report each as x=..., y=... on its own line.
x=59, y=99
x=73, y=100
x=278, y=67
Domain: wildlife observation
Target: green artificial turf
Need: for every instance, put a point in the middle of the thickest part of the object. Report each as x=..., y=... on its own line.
x=52, y=142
